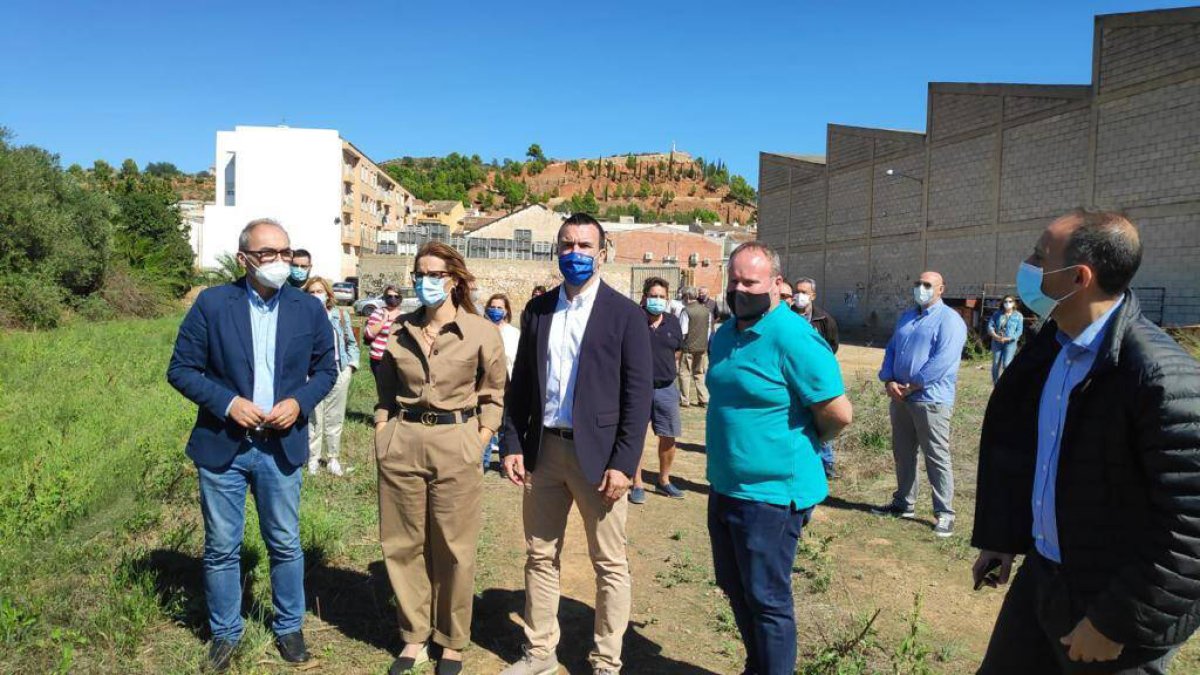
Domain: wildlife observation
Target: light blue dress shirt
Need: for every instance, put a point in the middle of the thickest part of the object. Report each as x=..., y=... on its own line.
x=264, y=316
x=925, y=350
x=1073, y=363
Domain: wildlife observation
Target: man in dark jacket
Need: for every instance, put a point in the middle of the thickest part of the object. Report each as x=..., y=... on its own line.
x=804, y=304
x=1089, y=465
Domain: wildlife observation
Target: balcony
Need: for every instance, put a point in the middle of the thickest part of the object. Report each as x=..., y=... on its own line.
x=351, y=235
x=348, y=173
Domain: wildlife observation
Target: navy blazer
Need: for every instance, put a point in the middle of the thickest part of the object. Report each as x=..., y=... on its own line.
x=214, y=361
x=613, y=388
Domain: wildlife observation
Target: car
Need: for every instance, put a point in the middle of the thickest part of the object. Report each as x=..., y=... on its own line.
x=368, y=305
x=343, y=292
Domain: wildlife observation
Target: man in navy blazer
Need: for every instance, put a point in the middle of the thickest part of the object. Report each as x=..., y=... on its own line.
x=576, y=412
x=256, y=356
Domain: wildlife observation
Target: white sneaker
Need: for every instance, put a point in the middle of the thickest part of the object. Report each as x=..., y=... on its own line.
x=314, y=465
x=334, y=467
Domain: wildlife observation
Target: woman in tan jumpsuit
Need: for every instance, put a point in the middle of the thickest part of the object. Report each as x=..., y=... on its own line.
x=441, y=390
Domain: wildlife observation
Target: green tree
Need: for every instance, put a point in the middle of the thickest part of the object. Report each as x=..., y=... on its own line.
x=643, y=190
x=742, y=191
x=535, y=153
x=631, y=163
x=129, y=169
x=162, y=170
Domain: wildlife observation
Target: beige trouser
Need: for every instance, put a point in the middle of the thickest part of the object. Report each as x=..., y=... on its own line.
x=327, y=418
x=557, y=483
x=430, y=483
x=691, y=370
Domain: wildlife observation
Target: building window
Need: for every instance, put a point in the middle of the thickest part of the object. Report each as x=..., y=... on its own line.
x=231, y=180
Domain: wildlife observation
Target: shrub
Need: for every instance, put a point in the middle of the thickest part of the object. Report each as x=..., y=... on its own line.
x=130, y=293
x=95, y=308
x=30, y=300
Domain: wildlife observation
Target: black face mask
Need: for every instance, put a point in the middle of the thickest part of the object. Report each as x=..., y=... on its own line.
x=391, y=300
x=748, y=306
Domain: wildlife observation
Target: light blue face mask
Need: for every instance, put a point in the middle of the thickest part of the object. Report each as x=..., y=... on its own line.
x=1029, y=287
x=923, y=296
x=656, y=305
x=431, y=291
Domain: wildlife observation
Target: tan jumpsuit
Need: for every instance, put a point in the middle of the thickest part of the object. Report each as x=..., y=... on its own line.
x=430, y=477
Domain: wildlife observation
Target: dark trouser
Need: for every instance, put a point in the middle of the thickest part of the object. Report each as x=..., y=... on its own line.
x=753, y=547
x=1037, y=612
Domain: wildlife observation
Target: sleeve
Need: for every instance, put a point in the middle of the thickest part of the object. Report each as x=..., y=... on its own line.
x=810, y=369
x=684, y=321
x=186, y=372
x=376, y=316
x=517, y=397
x=945, y=353
x=637, y=390
x=1020, y=325
x=992, y=324
x=352, y=351
x=490, y=388
x=832, y=337
x=886, y=372
x=1148, y=597
x=386, y=385
x=322, y=369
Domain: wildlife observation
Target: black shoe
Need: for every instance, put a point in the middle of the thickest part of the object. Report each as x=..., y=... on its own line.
x=406, y=664
x=291, y=647
x=448, y=667
x=895, y=510
x=220, y=656
x=831, y=473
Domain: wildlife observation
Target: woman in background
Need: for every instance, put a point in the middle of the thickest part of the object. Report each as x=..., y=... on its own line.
x=1005, y=329
x=325, y=423
x=379, y=325
x=499, y=312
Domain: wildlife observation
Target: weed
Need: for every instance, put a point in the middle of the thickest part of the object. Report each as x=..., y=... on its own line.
x=813, y=563
x=681, y=569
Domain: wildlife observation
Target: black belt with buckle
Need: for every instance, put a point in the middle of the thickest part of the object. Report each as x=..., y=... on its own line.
x=568, y=434
x=432, y=418
x=261, y=433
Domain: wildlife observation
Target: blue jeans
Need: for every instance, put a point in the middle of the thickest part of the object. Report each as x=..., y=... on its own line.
x=1002, y=355
x=753, y=547
x=275, y=485
x=826, y=454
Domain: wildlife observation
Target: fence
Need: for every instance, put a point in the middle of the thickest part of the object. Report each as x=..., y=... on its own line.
x=520, y=247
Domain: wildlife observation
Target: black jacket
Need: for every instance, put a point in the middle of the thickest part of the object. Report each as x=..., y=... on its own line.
x=825, y=325
x=613, y=388
x=1128, y=486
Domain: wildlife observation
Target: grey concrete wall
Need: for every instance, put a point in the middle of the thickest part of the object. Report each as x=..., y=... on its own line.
x=998, y=162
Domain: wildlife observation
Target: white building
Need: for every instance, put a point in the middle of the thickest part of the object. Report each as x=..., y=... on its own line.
x=331, y=198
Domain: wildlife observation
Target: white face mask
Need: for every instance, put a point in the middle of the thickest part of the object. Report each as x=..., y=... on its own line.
x=922, y=295
x=802, y=301
x=321, y=296
x=272, y=275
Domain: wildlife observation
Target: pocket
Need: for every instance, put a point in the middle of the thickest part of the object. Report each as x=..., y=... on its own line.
x=608, y=419
x=383, y=438
x=471, y=447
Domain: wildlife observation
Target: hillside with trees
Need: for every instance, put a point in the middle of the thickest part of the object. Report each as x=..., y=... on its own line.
x=651, y=187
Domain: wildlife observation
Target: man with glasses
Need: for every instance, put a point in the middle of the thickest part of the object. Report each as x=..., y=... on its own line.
x=256, y=356
x=919, y=374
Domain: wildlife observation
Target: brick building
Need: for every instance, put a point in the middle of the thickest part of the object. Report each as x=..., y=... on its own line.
x=697, y=256
x=969, y=197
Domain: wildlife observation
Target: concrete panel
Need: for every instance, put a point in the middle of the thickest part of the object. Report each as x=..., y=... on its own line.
x=848, y=202
x=952, y=114
x=807, y=213
x=897, y=208
x=960, y=183
x=1133, y=54
x=846, y=149
x=966, y=263
x=1043, y=166
x=1171, y=251
x=845, y=286
x=773, y=217
x=894, y=268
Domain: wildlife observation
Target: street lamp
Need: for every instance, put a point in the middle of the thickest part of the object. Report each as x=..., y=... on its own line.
x=893, y=172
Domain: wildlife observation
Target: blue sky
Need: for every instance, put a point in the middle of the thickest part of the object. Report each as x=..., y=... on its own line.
x=155, y=80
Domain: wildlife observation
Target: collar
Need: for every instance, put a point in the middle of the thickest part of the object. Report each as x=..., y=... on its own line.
x=764, y=323
x=421, y=319
x=586, y=298
x=1091, y=337
x=257, y=300
x=933, y=307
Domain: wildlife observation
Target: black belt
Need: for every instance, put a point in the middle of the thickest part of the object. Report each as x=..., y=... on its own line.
x=568, y=434
x=431, y=418
x=663, y=384
x=262, y=433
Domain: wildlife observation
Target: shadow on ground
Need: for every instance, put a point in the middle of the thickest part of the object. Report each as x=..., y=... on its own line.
x=650, y=478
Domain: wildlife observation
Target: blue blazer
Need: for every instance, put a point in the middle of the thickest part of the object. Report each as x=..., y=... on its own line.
x=612, y=390
x=214, y=361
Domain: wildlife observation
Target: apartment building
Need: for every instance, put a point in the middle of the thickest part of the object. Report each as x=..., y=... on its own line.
x=333, y=200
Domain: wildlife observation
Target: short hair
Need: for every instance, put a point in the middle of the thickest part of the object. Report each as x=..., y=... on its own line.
x=805, y=280
x=771, y=255
x=394, y=289
x=244, y=237
x=1107, y=242
x=301, y=253
x=538, y=290
x=507, y=305
x=689, y=292
x=651, y=282
x=324, y=284
x=578, y=219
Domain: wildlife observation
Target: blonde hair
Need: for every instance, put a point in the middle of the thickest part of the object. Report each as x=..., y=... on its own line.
x=320, y=281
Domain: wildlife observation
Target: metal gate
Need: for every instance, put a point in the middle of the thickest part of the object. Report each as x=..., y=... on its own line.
x=639, y=274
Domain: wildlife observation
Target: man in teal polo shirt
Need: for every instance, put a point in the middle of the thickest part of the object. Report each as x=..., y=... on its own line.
x=775, y=394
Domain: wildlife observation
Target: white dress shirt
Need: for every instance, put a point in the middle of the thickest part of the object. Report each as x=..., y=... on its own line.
x=511, y=336
x=567, y=325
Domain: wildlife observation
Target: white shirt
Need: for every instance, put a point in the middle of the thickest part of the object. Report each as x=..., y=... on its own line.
x=679, y=309
x=566, y=333
x=510, y=335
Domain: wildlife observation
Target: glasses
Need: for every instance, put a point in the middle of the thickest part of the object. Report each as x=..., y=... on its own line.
x=268, y=255
x=418, y=276
x=922, y=284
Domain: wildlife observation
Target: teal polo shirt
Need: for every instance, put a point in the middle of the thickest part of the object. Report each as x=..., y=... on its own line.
x=761, y=438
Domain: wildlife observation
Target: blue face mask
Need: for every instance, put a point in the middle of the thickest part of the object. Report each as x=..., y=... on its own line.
x=1029, y=287
x=656, y=306
x=494, y=314
x=576, y=267
x=298, y=274
x=431, y=291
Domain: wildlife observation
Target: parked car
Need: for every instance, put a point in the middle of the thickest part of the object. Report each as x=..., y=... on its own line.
x=343, y=292
x=367, y=306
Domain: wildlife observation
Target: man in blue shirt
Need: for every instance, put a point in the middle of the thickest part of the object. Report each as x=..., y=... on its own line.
x=919, y=373
x=776, y=393
x=256, y=356
x=1089, y=464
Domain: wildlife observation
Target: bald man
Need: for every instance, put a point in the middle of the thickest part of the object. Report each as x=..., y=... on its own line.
x=919, y=374
x=1089, y=466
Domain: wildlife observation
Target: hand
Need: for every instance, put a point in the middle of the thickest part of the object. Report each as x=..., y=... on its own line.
x=983, y=562
x=514, y=468
x=614, y=485
x=908, y=390
x=1088, y=644
x=894, y=390
x=284, y=414
x=245, y=413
